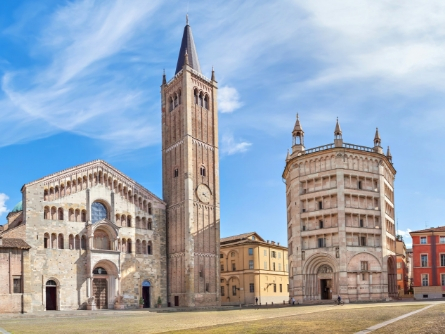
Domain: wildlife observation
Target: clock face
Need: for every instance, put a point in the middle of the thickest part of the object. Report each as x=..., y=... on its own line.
x=204, y=194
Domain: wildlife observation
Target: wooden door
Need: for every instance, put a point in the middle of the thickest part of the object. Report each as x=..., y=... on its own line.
x=100, y=292
x=51, y=298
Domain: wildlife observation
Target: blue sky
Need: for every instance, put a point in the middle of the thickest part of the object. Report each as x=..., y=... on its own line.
x=80, y=81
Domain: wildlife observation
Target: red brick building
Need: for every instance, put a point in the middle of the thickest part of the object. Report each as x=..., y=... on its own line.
x=429, y=263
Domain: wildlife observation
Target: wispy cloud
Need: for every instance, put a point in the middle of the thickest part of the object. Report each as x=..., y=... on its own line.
x=229, y=146
x=85, y=86
x=3, y=199
x=228, y=99
x=406, y=237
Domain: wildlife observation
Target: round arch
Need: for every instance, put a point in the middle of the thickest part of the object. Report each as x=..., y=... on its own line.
x=317, y=260
x=51, y=293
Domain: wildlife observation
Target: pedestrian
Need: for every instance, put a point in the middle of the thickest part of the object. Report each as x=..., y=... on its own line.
x=256, y=300
x=293, y=301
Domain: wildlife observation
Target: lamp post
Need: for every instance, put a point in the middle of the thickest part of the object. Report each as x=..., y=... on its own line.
x=239, y=295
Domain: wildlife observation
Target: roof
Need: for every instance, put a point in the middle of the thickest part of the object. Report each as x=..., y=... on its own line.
x=18, y=207
x=188, y=44
x=431, y=229
x=241, y=237
x=13, y=243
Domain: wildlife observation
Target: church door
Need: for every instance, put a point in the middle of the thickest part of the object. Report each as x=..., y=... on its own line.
x=51, y=298
x=146, y=296
x=100, y=292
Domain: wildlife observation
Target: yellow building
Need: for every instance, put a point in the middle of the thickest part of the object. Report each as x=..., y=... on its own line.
x=253, y=268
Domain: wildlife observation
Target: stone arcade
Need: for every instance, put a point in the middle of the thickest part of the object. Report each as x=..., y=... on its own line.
x=90, y=237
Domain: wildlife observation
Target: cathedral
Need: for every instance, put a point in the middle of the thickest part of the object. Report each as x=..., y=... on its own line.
x=90, y=237
x=340, y=220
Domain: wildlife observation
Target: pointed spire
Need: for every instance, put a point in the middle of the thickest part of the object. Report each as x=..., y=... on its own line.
x=187, y=19
x=388, y=154
x=288, y=155
x=377, y=140
x=188, y=44
x=297, y=126
x=337, y=131
x=298, y=133
x=164, y=79
x=213, y=74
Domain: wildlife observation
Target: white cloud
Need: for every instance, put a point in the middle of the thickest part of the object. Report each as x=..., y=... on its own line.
x=228, y=99
x=406, y=237
x=3, y=199
x=229, y=146
x=85, y=86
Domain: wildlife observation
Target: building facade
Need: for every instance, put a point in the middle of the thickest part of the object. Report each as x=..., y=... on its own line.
x=191, y=180
x=402, y=267
x=340, y=220
x=253, y=268
x=429, y=263
x=90, y=237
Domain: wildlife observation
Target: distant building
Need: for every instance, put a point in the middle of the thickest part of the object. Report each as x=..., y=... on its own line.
x=402, y=268
x=340, y=220
x=253, y=268
x=409, y=263
x=429, y=263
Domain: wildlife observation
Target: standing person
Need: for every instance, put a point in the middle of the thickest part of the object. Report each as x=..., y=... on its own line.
x=338, y=299
x=293, y=301
x=256, y=300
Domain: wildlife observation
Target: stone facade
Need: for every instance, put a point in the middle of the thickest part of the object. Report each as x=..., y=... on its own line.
x=68, y=243
x=253, y=268
x=340, y=219
x=191, y=181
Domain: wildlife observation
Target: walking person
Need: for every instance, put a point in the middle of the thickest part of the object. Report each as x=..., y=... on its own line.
x=293, y=301
x=256, y=300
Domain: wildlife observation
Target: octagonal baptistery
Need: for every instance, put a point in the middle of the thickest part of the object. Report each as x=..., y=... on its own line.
x=97, y=241
x=340, y=219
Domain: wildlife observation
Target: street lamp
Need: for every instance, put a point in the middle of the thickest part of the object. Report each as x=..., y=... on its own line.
x=239, y=295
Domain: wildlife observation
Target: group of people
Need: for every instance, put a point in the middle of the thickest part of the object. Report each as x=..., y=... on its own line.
x=292, y=300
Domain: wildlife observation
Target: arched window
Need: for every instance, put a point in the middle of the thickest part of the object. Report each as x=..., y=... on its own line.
x=138, y=222
x=77, y=215
x=196, y=96
x=68, y=188
x=71, y=241
x=176, y=100
x=99, y=271
x=74, y=186
x=84, y=183
x=171, y=104
x=60, y=213
x=51, y=194
x=101, y=240
x=98, y=212
x=179, y=97
x=206, y=102
x=149, y=224
x=46, y=214
x=77, y=242
x=124, y=245
x=71, y=215
x=56, y=192
x=54, y=213
x=128, y=221
x=54, y=241
x=51, y=283
x=62, y=190
x=83, y=242
x=60, y=242
x=202, y=171
x=118, y=219
x=144, y=223
x=84, y=215
x=149, y=248
x=123, y=220
x=149, y=209
x=201, y=99
x=46, y=241
x=138, y=247
x=129, y=246
x=45, y=194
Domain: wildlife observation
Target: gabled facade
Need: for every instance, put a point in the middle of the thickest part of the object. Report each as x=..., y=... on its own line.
x=97, y=240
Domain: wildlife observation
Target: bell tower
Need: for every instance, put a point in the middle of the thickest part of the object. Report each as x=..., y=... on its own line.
x=191, y=180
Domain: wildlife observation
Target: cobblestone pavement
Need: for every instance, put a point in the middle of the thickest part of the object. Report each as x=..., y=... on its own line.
x=142, y=321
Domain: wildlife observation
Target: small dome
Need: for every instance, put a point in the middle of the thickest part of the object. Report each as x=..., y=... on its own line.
x=18, y=207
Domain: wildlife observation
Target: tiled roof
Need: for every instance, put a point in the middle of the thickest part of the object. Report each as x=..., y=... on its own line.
x=13, y=243
x=240, y=237
x=431, y=229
